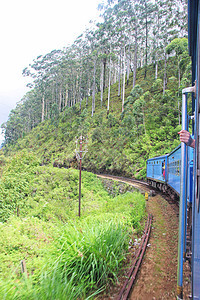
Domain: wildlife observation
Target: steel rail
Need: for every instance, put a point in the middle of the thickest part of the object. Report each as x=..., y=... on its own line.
x=137, y=262
x=122, y=179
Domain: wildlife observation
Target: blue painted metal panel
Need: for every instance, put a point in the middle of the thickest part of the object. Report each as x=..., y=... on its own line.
x=194, y=28
x=174, y=169
x=190, y=174
x=156, y=168
x=196, y=257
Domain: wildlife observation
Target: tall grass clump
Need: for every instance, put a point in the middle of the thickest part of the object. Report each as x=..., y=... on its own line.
x=85, y=257
x=90, y=253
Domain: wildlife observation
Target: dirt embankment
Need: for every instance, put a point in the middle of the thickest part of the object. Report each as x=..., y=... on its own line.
x=158, y=276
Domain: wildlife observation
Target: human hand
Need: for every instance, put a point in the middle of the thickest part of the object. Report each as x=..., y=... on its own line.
x=186, y=138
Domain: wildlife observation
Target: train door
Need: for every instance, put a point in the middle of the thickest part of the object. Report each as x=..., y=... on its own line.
x=196, y=199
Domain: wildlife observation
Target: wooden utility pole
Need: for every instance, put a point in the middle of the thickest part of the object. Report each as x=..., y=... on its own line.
x=79, y=155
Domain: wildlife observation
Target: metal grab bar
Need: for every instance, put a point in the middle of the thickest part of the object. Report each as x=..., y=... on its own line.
x=183, y=196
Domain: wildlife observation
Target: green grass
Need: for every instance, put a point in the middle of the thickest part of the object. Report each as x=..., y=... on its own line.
x=67, y=257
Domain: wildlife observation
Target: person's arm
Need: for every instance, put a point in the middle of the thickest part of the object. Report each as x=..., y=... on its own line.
x=186, y=138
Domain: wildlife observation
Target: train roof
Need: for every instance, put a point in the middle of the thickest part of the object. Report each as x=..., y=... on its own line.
x=158, y=157
x=179, y=146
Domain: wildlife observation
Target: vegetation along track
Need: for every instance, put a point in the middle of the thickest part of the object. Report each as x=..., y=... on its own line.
x=157, y=278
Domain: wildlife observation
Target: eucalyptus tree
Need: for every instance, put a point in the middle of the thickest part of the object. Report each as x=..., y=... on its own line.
x=43, y=75
x=166, y=27
x=145, y=18
x=180, y=48
x=103, y=41
x=123, y=21
x=23, y=118
x=112, y=44
x=116, y=20
x=92, y=39
x=181, y=7
x=135, y=26
x=80, y=51
x=69, y=66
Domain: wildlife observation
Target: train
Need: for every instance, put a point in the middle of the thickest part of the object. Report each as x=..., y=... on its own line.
x=164, y=173
x=178, y=172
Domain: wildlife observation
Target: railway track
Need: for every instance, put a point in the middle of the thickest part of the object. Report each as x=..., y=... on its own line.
x=126, y=289
x=124, y=179
x=132, y=274
x=143, y=187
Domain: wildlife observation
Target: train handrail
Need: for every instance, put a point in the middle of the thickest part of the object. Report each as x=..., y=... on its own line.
x=183, y=195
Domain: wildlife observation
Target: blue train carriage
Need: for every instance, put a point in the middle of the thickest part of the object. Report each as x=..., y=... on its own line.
x=189, y=189
x=156, y=170
x=194, y=51
x=174, y=171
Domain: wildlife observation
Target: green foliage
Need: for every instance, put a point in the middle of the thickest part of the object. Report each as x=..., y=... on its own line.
x=15, y=184
x=84, y=258
x=180, y=46
x=66, y=257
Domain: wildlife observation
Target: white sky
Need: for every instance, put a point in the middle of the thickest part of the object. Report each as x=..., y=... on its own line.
x=30, y=28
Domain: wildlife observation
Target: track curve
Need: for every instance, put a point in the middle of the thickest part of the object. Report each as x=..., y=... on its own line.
x=157, y=276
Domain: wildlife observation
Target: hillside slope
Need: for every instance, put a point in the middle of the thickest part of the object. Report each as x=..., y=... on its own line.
x=118, y=143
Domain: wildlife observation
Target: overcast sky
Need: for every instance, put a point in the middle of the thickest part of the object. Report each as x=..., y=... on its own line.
x=30, y=28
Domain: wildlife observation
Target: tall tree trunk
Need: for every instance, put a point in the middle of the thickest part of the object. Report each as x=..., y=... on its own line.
x=165, y=75
x=145, y=74
x=102, y=82
x=115, y=74
x=109, y=83
x=43, y=104
x=66, y=96
x=156, y=45
x=179, y=76
x=128, y=62
x=93, y=89
x=88, y=91
x=47, y=112
x=119, y=73
x=104, y=72
x=60, y=99
x=156, y=69
x=80, y=83
x=135, y=57
x=124, y=81
x=74, y=93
